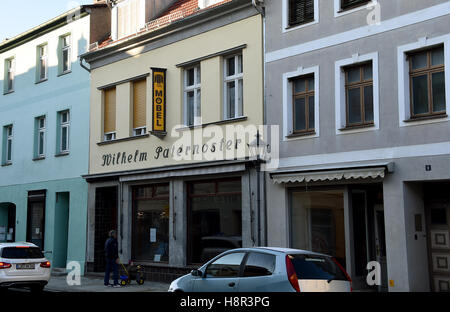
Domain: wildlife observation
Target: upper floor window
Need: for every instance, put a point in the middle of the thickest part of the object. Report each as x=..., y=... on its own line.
x=7, y=144
x=139, y=107
x=130, y=17
x=349, y=4
x=42, y=62
x=233, y=80
x=40, y=137
x=9, y=75
x=63, y=129
x=109, y=114
x=359, y=94
x=303, y=104
x=205, y=3
x=192, y=95
x=65, y=62
x=427, y=82
x=300, y=12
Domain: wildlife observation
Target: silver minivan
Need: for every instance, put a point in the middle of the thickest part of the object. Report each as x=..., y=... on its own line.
x=266, y=269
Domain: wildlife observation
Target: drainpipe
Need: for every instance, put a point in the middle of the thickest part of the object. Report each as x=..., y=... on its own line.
x=83, y=66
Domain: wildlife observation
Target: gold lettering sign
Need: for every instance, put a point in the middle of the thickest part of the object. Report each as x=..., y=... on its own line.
x=159, y=101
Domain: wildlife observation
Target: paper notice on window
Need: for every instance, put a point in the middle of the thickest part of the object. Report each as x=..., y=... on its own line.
x=157, y=258
x=152, y=235
x=2, y=230
x=9, y=237
x=11, y=230
x=2, y=237
x=38, y=230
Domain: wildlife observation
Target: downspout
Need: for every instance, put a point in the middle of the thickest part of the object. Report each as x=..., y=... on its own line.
x=83, y=66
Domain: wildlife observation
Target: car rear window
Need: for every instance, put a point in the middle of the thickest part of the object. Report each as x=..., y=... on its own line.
x=312, y=267
x=22, y=253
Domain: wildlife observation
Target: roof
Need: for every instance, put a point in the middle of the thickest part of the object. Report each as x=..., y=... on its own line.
x=176, y=12
x=47, y=26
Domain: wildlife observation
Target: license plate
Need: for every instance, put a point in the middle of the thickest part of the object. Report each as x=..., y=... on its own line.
x=25, y=266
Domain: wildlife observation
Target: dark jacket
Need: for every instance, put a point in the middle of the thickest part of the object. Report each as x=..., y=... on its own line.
x=111, y=248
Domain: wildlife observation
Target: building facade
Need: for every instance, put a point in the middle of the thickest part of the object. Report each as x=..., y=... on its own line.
x=174, y=106
x=363, y=87
x=45, y=133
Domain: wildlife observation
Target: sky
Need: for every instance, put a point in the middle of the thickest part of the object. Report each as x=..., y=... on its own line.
x=22, y=15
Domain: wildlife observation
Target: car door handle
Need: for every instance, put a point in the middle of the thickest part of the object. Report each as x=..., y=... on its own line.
x=232, y=284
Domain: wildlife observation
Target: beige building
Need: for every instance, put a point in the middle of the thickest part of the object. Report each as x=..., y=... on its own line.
x=173, y=108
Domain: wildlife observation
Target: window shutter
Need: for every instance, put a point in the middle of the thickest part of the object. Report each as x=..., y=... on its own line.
x=300, y=11
x=110, y=111
x=139, y=104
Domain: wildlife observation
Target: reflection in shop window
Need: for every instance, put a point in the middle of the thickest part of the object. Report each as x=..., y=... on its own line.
x=151, y=223
x=214, y=218
x=318, y=222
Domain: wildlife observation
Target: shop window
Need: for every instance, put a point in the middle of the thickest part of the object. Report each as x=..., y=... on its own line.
x=317, y=222
x=139, y=107
x=427, y=82
x=151, y=223
x=214, y=218
x=109, y=115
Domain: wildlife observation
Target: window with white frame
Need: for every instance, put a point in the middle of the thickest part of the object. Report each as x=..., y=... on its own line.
x=344, y=7
x=8, y=130
x=350, y=4
x=64, y=127
x=128, y=18
x=357, y=94
x=40, y=137
x=65, y=54
x=233, y=87
x=109, y=114
x=206, y=3
x=139, y=107
x=42, y=65
x=423, y=81
x=303, y=95
x=9, y=75
x=192, y=96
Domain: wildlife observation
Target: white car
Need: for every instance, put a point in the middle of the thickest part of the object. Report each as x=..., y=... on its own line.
x=23, y=265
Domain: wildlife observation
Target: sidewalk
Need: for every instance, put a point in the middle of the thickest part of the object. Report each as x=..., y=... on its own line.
x=95, y=284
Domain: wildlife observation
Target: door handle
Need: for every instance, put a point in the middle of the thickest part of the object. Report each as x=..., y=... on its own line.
x=232, y=284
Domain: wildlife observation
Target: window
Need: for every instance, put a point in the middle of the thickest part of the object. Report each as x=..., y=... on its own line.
x=8, y=140
x=427, y=82
x=359, y=94
x=348, y=4
x=214, y=218
x=40, y=137
x=42, y=63
x=303, y=104
x=130, y=17
x=151, y=223
x=9, y=76
x=259, y=264
x=300, y=11
x=64, y=126
x=65, y=65
x=192, y=96
x=139, y=107
x=233, y=107
x=226, y=266
x=109, y=116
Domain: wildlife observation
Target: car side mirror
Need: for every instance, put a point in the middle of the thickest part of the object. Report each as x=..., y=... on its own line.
x=196, y=272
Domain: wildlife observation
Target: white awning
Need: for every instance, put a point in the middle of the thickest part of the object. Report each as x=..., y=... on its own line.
x=329, y=175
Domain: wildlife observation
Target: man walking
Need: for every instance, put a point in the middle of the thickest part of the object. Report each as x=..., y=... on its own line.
x=112, y=259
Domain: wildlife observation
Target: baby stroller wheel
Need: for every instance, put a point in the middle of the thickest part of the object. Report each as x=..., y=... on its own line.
x=140, y=281
x=123, y=282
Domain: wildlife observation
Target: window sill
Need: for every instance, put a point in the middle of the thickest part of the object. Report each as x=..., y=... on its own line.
x=6, y=164
x=8, y=92
x=64, y=73
x=136, y=137
x=413, y=119
x=41, y=81
x=348, y=128
x=62, y=154
x=39, y=158
x=300, y=134
x=220, y=122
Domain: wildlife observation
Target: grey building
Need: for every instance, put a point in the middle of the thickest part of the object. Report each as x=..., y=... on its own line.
x=364, y=165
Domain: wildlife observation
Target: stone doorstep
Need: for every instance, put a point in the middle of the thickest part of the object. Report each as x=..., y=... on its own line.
x=58, y=272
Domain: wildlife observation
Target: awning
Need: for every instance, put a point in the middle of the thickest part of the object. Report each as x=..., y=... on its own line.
x=371, y=171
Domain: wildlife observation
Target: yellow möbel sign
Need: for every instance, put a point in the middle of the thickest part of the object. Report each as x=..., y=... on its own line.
x=159, y=101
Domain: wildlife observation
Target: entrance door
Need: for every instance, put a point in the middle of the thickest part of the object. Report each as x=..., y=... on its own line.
x=380, y=245
x=438, y=244
x=36, y=218
x=61, y=230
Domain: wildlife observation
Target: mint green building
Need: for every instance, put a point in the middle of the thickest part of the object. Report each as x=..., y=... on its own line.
x=44, y=133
